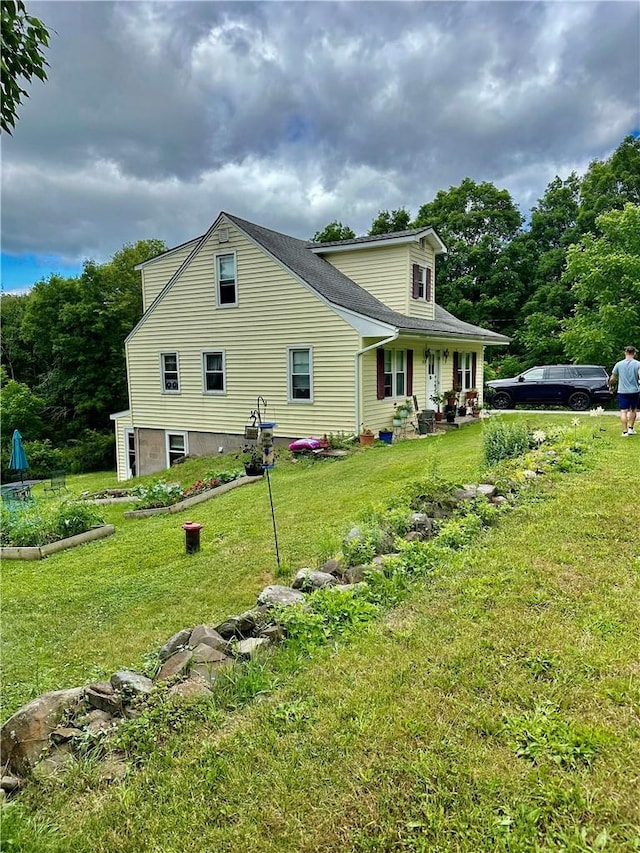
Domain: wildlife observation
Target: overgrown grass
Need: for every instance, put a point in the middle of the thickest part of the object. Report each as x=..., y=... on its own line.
x=496, y=709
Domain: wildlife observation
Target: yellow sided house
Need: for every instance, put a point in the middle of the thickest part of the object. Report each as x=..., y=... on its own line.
x=332, y=335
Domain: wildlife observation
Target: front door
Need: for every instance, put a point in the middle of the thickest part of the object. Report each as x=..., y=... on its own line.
x=433, y=377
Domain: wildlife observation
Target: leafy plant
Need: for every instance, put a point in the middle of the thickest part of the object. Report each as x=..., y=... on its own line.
x=503, y=439
x=158, y=494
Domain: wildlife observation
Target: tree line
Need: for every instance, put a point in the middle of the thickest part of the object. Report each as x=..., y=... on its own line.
x=564, y=286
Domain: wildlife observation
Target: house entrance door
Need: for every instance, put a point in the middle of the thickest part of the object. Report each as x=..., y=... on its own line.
x=130, y=452
x=433, y=377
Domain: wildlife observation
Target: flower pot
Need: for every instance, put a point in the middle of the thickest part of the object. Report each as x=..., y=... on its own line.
x=462, y=411
x=252, y=469
x=451, y=416
x=366, y=440
x=438, y=416
x=386, y=435
x=397, y=422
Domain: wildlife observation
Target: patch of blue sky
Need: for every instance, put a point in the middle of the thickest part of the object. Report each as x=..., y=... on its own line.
x=299, y=128
x=21, y=272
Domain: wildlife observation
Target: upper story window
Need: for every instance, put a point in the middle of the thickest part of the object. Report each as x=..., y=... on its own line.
x=226, y=283
x=169, y=371
x=421, y=288
x=395, y=373
x=300, y=377
x=213, y=372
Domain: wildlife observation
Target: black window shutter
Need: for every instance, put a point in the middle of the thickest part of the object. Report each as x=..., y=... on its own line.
x=380, y=374
x=409, y=372
x=474, y=368
x=427, y=294
x=416, y=281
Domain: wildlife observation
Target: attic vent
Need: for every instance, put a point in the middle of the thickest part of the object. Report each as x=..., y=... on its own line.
x=223, y=235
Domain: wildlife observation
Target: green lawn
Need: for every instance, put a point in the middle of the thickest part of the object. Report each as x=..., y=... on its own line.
x=497, y=709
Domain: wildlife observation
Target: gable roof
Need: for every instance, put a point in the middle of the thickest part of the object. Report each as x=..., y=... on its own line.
x=340, y=290
x=298, y=257
x=412, y=235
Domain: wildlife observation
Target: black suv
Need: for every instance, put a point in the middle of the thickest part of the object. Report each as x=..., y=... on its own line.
x=575, y=385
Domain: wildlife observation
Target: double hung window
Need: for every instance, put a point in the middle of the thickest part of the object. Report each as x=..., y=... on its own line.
x=213, y=372
x=169, y=370
x=421, y=284
x=226, y=283
x=394, y=373
x=300, y=378
x=176, y=445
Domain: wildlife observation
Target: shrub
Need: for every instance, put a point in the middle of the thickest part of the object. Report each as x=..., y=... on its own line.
x=503, y=440
x=73, y=517
x=43, y=458
x=93, y=451
x=361, y=545
x=158, y=494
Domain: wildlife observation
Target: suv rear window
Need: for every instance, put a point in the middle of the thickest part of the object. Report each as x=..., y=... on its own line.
x=586, y=371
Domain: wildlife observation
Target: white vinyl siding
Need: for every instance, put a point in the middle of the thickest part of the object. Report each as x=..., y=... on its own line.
x=213, y=372
x=254, y=337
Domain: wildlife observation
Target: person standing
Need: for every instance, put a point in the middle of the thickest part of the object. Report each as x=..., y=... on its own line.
x=627, y=372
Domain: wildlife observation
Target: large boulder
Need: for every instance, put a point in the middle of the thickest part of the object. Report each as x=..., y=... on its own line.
x=177, y=664
x=24, y=735
x=242, y=625
x=210, y=637
x=131, y=684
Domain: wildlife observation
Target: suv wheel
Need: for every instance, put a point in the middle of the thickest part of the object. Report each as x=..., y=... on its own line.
x=501, y=400
x=579, y=401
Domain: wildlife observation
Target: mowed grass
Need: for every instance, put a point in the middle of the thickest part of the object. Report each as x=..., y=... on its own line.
x=497, y=709
x=81, y=614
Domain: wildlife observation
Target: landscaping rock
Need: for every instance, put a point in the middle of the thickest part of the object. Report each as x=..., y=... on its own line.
x=468, y=493
x=65, y=733
x=9, y=784
x=386, y=544
x=209, y=636
x=27, y=732
x=103, y=696
x=59, y=759
x=272, y=596
x=174, y=644
x=421, y=521
x=247, y=649
x=308, y=580
x=175, y=665
x=240, y=626
x=210, y=671
x=354, y=534
x=192, y=688
x=131, y=683
x=275, y=633
x=487, y=490
x=416, y=536
x=355, y=574
x=331, y=567
x=498, y=500
x=93, y=717
x=206, y=654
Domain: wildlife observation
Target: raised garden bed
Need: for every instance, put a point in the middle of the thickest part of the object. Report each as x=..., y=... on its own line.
x=195, y=499
x=39, y=552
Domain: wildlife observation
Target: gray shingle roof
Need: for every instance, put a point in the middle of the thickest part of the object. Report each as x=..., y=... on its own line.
x=341, y=291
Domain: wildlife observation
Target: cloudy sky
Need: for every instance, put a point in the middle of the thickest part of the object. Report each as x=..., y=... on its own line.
x=156, y=116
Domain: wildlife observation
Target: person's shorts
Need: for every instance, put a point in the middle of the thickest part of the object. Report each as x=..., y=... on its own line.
x=628, y=401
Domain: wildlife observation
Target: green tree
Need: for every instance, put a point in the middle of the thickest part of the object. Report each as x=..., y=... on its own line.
x=17, y=357
x=76, y=328
x=387, y=222
x=23, y=38
x=610, y=184
x=333, y=232
x=604, y=274
x=480, y=279
x=21, y=409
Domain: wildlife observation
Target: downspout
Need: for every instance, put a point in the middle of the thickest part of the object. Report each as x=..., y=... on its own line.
x=357, y=362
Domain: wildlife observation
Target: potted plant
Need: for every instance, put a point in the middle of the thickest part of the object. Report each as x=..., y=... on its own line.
x=471, y=396
x=366, y=436
x=439, y=400
x=251, y=458
x=451, y=397
x=386, y=435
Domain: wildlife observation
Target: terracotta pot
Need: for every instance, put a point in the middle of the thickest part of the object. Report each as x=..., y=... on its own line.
x=366, y=440
x=439, y=416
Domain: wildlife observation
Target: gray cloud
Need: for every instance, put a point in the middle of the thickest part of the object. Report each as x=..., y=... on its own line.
x=157, y=115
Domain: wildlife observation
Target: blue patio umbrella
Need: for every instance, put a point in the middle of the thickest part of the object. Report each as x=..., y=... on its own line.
x=18, y=460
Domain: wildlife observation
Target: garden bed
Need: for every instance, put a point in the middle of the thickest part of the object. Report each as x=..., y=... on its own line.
x=39, y=552
x=195, y=499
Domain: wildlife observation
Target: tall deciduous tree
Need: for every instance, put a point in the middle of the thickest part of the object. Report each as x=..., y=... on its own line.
x=333, y=232
x=610, y=184
x=22, y=58
x=387, y=222
x=604, y=273
x=478, y=280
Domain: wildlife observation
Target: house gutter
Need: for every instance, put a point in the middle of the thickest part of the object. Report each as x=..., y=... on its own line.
x=357, y=364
